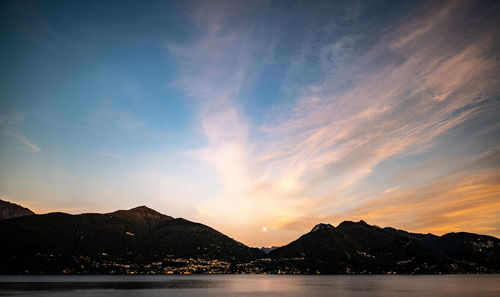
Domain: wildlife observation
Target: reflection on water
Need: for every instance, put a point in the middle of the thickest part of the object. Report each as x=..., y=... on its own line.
x=252, y=285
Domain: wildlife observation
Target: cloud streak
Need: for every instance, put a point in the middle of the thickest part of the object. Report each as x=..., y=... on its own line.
x=466, y=199
x=412, y=86
x=247, y=114
x=9, y=124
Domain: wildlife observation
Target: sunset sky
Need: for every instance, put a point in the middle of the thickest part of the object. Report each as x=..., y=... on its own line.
x=250, y=114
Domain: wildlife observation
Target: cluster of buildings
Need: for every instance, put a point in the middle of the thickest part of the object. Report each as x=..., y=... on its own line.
x=107, y=264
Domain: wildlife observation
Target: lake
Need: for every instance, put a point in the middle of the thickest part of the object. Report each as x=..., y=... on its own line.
x=251, y=285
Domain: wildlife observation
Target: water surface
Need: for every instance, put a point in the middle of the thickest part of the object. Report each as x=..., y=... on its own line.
x=252, y=285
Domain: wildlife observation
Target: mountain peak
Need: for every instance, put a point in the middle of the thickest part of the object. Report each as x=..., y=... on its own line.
x=143, y=209
x=146, y=211
x=11, y=210
x=350, y=224
x=142, y=213
x=322, y=226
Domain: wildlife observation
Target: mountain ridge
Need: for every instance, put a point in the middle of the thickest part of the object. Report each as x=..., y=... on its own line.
x=125, y=241
x=11, y=210
x=143, y=240
x=357, y=247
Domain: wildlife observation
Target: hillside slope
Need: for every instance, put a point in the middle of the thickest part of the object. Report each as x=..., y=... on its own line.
x=57, y=242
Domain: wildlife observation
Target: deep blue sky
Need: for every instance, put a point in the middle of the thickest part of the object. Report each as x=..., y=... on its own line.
x=252, y=114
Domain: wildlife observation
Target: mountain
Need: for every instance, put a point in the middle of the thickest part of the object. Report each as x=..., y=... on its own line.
x=139, y=240
x=267, y=250
x=11, y=210
x=357, y=247
x=142, y=240
x=479, y=253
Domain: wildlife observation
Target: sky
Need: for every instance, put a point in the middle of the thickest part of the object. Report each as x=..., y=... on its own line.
x=257, y=118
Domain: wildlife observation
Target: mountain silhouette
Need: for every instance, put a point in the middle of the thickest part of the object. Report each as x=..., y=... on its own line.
x=357, y=247
x=56, y=242
x=142, y=240
x=11, y=210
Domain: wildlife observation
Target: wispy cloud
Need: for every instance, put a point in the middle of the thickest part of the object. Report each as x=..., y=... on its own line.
x=466, y=199
x=304, y=111
x=9, y=124
x=424, y=88
x=413, y=85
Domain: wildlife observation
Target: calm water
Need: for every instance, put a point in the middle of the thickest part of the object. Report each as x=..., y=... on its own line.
x=252, y=285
